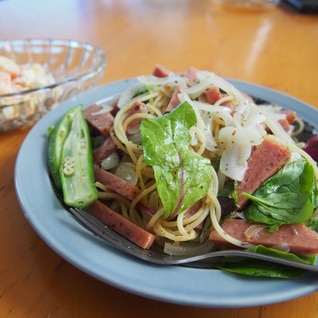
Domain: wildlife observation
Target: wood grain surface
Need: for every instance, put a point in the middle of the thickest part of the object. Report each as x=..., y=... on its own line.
x=276, y=48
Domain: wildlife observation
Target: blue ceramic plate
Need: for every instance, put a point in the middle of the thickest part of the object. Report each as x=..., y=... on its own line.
x=179, y=285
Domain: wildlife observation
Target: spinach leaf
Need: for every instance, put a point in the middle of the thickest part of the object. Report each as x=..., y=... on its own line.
x=260, y=249
x=254, y=267
x=287, y=197
x=182, y=176
x=257, y=268
x=313, y=223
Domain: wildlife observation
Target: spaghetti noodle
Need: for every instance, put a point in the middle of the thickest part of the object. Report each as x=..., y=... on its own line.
x=229, y=125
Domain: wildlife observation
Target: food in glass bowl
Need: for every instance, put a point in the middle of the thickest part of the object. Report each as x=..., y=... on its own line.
x=36, y=75
x=15, y=78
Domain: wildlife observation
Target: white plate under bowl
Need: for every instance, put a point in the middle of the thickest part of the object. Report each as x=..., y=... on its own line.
x=173, y=284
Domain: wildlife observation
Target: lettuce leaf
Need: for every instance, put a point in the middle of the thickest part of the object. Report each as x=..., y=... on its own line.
x=254, y=267
x=183, y=177
x=285, y=198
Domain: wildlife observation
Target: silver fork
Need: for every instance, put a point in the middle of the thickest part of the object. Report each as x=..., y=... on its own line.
x=207, y=260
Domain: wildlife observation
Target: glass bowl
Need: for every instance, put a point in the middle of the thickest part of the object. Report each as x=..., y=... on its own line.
x=74, y=66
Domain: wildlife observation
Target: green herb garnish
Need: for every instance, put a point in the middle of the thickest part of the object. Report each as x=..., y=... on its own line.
x=183, y=177
x=288, y=197
x=254, y=267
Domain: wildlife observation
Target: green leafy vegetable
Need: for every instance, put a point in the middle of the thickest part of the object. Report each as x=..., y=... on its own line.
x=313, y=223
x=145, y=89
x=257, y=268
x=254, y=267
x=182, y=176
x=287, y=197
x=286, y=255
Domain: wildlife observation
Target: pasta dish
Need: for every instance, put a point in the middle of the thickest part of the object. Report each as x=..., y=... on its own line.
x=198, y=165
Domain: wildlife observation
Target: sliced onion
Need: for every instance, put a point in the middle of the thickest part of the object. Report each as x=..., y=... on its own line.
x=128, y=94
x=151, y=80
x=206, y=80
x=172, y=80
x=111, y=161
x=126, y=171
x=189, y=249
x=278, y=131
x=253, y=230
x=136, y=137
x=237, y=147
x=202, y=124
x=284, y=247
x=105, y=108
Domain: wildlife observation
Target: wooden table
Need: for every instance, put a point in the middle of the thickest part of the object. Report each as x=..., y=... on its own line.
x=275, y=48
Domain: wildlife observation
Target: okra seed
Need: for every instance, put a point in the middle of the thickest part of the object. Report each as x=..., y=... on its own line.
x=68, y=166
x=68, y=171
x=68, y=159
x=82, y=146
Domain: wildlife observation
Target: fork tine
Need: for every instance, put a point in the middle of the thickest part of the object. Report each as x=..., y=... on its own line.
x=114, y=239
x=212, y=259
x=98, y=228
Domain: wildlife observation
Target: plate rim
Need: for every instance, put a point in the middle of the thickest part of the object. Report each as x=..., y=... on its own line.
x=146, y=286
